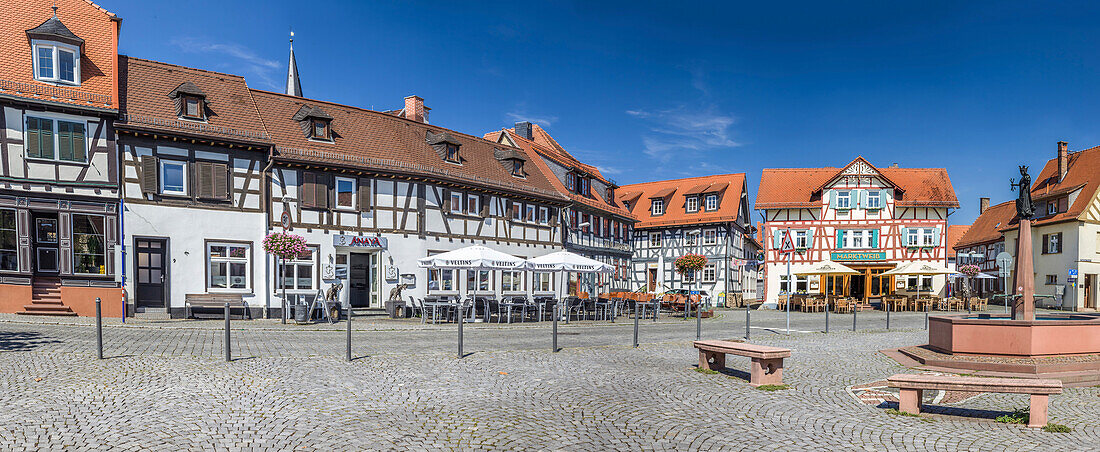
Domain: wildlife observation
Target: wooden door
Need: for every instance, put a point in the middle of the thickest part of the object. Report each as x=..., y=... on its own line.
x=151, y=268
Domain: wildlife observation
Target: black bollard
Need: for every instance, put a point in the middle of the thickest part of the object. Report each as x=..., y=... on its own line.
x=460, y=322
x=826, y=315
x=887, y=313
x=926, y=309
x=748, y=320
x=349, y=332
x=228, y=351
x=554, y=346
x=855, y=309
x=98, y=329
x=698, y=322
x=636, y=306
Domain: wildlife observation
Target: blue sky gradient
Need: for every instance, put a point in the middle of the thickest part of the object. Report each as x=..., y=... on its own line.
x=659, y=90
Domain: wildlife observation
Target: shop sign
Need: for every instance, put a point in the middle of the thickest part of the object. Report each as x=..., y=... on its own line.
x=850, y=256
x=360, y=241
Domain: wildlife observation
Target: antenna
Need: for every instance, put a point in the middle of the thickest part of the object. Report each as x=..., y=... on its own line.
x=292, y=35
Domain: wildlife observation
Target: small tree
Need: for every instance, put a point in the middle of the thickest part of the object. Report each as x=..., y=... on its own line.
x=284, y=246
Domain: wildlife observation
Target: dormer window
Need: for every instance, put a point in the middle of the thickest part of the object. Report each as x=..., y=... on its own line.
x=517, y=168
x=321, y=129
x=192, y=107
x=711, y=202
x=452, y=153
x=692, y=204
x=56, y=62
x=658, y=207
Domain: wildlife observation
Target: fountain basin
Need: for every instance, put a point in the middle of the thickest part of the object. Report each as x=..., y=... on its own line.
x=1047, y=335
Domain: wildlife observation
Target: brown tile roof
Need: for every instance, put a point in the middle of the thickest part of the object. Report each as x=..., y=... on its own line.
x=729, y=201
x=954, y=232
x=381, y=142
x=1083, y=173
x=987, y=227
x=99, y=56
x=541, y=149
x=800, y=187
x=147, y=104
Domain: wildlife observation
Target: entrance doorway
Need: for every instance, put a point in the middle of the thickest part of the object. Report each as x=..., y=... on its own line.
x=1090, y=291
x=45, y=242
x=857, y=286
x=151, y=268
x=361, y=280
x=651, y=279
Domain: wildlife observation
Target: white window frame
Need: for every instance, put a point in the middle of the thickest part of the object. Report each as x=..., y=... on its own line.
x=544, y=215
x=800, y=239
x=476, y=201
x=511, y=281
x=482, y=278
x=710, y=272
x=658, y=207
x=655, y=239
x=1052, y=207
x=542, y=282
x=442, y=275
x=529, y=214
x=692, y=204
x=56, y=121
x=247, y=260
x=846, y=197
x=874, y=199
x=297, y=263
x=928, y=236
x=711, y=202
x=691, y=238
x=160, y=179
x=864, y=236
x=55, y=48
x=336, y=193
x=710, y=236
x=456, y=202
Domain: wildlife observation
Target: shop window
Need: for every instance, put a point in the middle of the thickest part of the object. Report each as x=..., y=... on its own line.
x=511, y=281
x=441, y=280
x=542, y=282
x=9, y=257
x=299, y=273
x=229, y=267
x=89, y=247
x=479, y=280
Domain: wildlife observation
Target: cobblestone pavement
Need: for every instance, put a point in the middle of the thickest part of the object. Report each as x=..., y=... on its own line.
x=165, y=387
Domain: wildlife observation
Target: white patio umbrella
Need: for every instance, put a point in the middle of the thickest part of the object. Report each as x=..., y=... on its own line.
x=825, y=268
x=474, y=257
x=921, y=268
x=563, y=262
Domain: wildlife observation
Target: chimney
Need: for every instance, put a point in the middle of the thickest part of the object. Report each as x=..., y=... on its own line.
x=983, y=205
x=1063, y=160
x=893, y=165
x=415, y=109
x=524, y=130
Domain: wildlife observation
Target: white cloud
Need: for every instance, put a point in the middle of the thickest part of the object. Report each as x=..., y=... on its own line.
x=243, y=59
x=544, y=121
x=679, y=130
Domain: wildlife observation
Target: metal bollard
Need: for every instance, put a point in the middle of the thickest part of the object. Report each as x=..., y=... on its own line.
x=826, y=316
x=98, y=329
x=228, y=351
x=460, y=322
x=636, y=326
x=854, y=311
x=929, y=308
x=698, y=322
x=748, y=320
x=554, y=345
x=887, y=314
x=349, y=332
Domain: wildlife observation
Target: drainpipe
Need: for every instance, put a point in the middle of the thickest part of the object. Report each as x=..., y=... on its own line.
x=267, y=225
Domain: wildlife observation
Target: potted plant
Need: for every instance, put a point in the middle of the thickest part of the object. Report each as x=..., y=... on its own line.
x=692, y=264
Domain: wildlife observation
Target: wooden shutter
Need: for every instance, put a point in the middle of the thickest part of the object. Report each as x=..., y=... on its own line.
x=446, y=202
x=483, y=201
x=553, y=217
x=149, y=172
x=364, y=195
x=204, y=180
x=64, y=141
x=1063, y=204
x=307, y=190
x=79, y=150
x=1046, y=243
x=32, y=138
x=323, y=181
x=219, y=172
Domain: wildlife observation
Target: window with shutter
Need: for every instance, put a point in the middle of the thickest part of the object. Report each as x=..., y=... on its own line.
x=364, y=195
x=221, y=177
x=204, y=179
x=307, y=190
x=445, y=203
x=40, y=138
x=484, y=206
x=322, y=187
x=149, y=171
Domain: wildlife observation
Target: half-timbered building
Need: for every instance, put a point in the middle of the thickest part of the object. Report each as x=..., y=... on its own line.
x=193, y=152
x=374, y=191
x=596, y=224
x=868, y=218
x=706, y=215
x=59, y=210
x=985, y=239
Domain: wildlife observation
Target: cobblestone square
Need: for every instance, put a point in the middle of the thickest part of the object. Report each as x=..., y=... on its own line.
x=165, y=386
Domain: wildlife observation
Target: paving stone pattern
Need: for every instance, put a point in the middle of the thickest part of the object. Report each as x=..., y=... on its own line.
x=165, y=386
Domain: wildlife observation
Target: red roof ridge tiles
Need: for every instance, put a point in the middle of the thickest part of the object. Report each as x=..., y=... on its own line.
x=987, y=227
x=196, y=71
x=675, y=214
x=799, y=187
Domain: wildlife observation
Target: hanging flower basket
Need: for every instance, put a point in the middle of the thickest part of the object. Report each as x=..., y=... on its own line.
x=690, y=263
x=284, y=245
x=970, y=270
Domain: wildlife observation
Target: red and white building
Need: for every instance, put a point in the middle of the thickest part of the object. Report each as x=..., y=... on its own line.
x=868, y=218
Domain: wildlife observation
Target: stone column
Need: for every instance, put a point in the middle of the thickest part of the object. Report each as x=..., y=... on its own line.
x=1024, y=306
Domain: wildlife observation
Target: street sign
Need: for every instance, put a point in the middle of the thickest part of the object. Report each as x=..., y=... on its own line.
x=1073, y=272
x=1004, y=260
x=788, y=244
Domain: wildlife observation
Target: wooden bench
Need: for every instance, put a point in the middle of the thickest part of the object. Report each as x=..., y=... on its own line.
x=216, y=301
x=767, y=362
x=912, y=389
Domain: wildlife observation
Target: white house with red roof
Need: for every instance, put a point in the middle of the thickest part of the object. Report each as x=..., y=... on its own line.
x=868, y=218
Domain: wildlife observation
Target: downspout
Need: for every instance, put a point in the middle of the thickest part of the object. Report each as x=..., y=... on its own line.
x=267, y=225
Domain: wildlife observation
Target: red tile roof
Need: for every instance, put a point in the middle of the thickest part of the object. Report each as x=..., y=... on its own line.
x=954, y=232
x=544, y=147
x=1083, y=173
x=987, y=227
x=98, y=60
x=381, y=142
x=146, y=104
x=799, y=187
x=729, y=201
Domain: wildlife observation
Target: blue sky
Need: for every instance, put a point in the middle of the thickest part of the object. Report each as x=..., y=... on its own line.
x=659, y=90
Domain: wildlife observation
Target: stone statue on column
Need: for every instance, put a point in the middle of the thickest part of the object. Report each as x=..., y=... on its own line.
x=1024, y=306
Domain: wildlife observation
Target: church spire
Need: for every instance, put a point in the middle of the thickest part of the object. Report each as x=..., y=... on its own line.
x=293, y=85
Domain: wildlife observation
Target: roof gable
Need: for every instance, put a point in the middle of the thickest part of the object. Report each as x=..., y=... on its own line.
x=785, y=188
x=858, y=167
x=732, y=202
